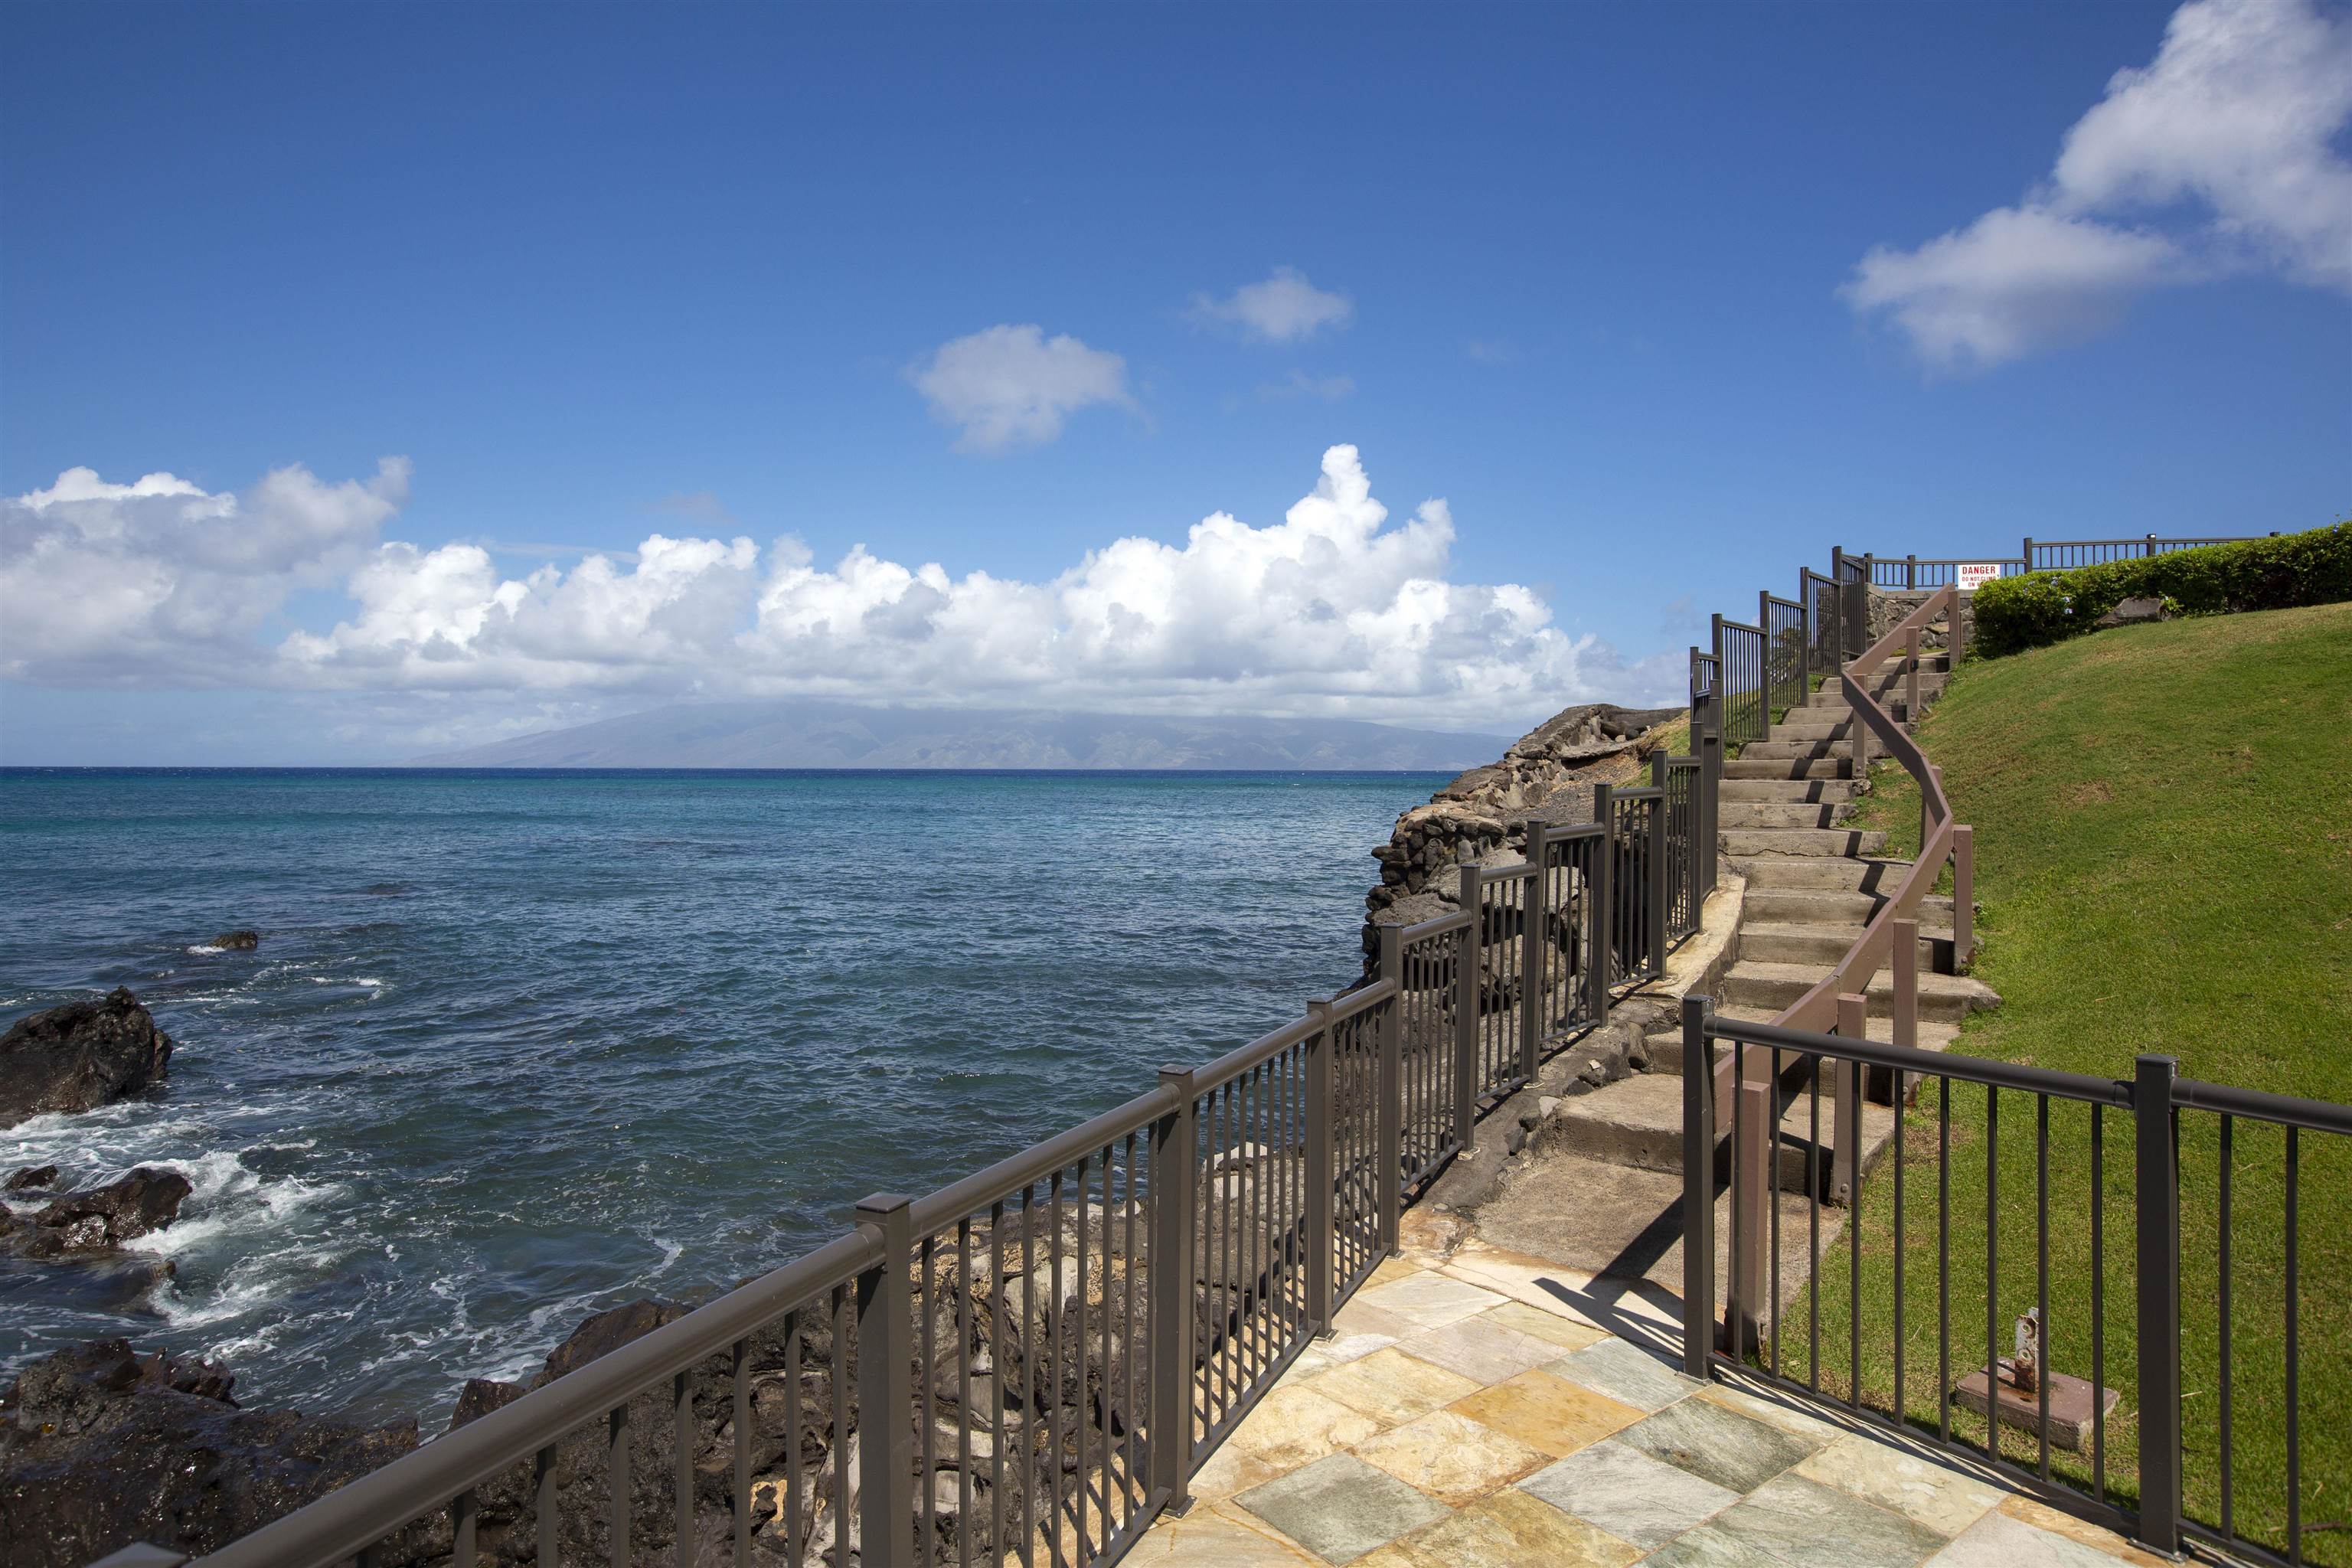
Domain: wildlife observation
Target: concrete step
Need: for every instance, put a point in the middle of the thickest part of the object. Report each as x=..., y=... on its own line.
x=1821, y=874
x=1810, y=841
x=1802, y=749
x=1784, y=768
x=1666, y=1046
x=1638, y=1122
x=1813, y=723
x=1947, y=998
x=1790, y=790
x=1822, y=907
x=1825, y=943
x=1890, y=692
x=1778, y=814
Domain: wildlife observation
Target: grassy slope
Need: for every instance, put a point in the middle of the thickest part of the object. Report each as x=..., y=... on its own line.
x=2164, y=855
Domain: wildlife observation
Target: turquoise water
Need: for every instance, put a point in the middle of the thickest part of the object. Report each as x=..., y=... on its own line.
x=518, y=1046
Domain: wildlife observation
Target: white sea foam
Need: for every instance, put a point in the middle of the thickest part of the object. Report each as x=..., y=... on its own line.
x=204, y=947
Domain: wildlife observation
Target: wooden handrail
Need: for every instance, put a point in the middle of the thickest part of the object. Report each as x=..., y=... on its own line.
x=1816, y=1010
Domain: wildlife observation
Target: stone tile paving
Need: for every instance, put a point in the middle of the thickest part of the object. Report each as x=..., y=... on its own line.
x=1481, y=1409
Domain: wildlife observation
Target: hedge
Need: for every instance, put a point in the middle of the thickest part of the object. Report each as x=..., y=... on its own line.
x=2276, y=574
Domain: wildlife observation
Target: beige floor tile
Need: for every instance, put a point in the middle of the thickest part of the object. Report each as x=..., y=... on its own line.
x=1219, y=1537
x=1481, y=1348
x=2041, y=1516
x=1547, y=1413
x=1235, y=1467
x=1393, y=1268
x=1393, y=1387
x=1944, y=1500
x=1428, y=1300
x=1568, y=1333
x=1450, y=1457
x=1322, y=1355
x=1296, y=1426
x=1360, y=1317
x=1509, y=1529
x=1773, y=1413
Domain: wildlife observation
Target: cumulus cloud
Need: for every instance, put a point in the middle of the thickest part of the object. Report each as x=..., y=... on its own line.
x=2217, y=158
x=1013, y=387
x=1283, y=308
x=112, y=582
x=1334, y=611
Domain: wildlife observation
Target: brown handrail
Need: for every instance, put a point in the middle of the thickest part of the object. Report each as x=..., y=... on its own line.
x=1816, y=1010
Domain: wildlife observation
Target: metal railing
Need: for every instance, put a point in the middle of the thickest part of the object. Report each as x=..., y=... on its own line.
x=1911, y=573
x=2116, y=1305
x=1067, y=1335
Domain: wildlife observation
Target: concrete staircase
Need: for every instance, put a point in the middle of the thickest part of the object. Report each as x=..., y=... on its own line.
x=1813, y=882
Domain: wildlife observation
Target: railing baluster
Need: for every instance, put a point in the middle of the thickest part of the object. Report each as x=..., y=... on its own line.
x=616, y=1471
x=2098, y=1303
x=2041, y=1266
x=545, y=1503
x=2293, y=1349
x=465, y=1519
x=682, y=1460
x=1944, y=1260
x=743, y=1431
x=2158, y=1271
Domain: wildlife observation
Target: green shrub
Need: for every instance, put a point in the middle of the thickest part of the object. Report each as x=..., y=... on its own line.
x=2279, y=573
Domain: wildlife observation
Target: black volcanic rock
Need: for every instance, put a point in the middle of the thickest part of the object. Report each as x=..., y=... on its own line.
x=103, y=1218
x=239, y=941
x=101, y=1446
x=79, y=1057
x=29, y=1176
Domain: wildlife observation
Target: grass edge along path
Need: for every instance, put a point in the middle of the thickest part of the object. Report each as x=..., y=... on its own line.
x=2163, y=821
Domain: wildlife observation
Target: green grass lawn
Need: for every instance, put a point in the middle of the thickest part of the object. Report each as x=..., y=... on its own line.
x=2163, y=822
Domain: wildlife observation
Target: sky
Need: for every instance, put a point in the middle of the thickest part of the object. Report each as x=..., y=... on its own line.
x=379, y=380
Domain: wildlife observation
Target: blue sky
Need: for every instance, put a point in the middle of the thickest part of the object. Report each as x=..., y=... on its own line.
x=1594, y=276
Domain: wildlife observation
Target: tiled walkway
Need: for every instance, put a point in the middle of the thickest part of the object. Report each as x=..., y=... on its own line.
x=1489, y=1409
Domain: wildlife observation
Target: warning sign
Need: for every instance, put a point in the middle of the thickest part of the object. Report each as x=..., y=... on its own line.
x=1972, y=576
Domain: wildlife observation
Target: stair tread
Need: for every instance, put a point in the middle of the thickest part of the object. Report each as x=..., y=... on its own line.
x=1930, y=983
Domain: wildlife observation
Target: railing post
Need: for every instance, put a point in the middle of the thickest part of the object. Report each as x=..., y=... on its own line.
x=1751, y=1199
x=1964, y=894
x=1710, y=779
x=1600, y=901
x=1845, y=1109
x=1322, y=1239
x=2150, y=550
x=1858, y=736
x=1722, y=703
x=886, y=1423
x=1656, y=867
x=1388, y=1154
x=1837, y=608
x=1906, y=984
x=2159, y=1252
x=1956, y=631
x=1698, y=1188
x=1175, y=1169
x=1935, y=774
x=2028, y=553
x=1911, y=574
x=1911, y=679
x=1467, y=975
x=1537, y=925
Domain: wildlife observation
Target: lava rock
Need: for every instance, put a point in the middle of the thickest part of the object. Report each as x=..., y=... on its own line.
x=29, y=1176
x=239, y=941
x=79, y=1057
x=103, y=1218
x=101, y=1446
x=2135, y=612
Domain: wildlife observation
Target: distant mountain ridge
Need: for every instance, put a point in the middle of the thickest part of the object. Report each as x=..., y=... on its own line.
x=810, y=734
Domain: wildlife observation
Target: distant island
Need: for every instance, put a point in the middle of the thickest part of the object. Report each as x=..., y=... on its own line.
x=810, y=734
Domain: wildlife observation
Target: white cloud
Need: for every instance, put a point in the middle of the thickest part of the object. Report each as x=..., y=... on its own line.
x=1283, y=309
x=2219, y=157
x=106, y=582
x=1013, y=387
x=1333, y=611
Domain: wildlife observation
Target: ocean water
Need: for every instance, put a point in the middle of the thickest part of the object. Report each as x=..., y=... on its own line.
x=518, y=1046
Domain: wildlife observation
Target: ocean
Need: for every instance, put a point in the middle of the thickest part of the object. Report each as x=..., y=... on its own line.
x=517, y=1047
